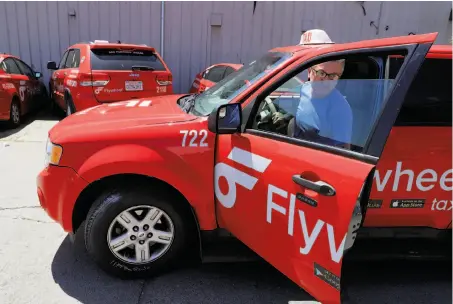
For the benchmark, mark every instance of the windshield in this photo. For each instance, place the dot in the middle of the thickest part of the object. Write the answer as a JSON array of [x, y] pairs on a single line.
[[235, 83]]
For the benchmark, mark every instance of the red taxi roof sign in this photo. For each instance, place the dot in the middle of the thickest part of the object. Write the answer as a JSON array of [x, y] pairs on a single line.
[[315, 36]]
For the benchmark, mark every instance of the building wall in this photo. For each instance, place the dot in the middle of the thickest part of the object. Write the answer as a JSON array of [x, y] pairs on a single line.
[[197, 34]]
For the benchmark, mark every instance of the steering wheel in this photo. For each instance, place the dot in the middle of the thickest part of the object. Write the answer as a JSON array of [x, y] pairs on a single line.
[[270, 105]]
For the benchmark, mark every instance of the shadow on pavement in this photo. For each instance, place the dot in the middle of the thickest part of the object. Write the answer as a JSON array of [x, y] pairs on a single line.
[[42, 115], [411, 282], [248, 282], [251, 282]]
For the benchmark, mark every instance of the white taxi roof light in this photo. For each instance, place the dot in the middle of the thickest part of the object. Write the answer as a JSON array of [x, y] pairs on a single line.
[[101, 41], [315, 36]]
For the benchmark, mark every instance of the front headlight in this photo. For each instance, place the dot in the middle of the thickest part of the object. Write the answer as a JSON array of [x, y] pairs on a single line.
[[53, 154]]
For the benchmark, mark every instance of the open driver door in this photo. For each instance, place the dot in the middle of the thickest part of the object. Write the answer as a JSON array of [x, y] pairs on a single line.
[[297, 203]]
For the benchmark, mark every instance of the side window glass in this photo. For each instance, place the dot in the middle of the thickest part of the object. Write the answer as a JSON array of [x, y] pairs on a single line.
[[63, 60], [216, 74], [336, 107], [12, 67], [429, 99], [3, 67], [73, 60], [69, 59], [26, 70], [228, 71]]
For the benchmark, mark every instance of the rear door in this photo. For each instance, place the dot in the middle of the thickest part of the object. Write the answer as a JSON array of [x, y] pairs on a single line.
[[300, 203], [121, 74], [416, 163], [33, 86]]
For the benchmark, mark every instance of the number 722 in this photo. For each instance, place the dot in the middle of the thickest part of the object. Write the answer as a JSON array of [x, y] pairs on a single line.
[[193, 134]]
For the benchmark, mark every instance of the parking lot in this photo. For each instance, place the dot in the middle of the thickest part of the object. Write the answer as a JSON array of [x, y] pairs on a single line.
[[40, 265]]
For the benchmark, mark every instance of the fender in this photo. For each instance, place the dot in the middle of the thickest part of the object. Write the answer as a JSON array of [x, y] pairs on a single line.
[[138, 159]]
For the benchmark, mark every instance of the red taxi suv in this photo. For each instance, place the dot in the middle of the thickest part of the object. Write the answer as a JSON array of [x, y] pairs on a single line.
[[21, 90], [99, 72], [151, 177]]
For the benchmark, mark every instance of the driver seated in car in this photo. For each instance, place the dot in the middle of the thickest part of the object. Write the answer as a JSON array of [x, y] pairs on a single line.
[[323, 114]]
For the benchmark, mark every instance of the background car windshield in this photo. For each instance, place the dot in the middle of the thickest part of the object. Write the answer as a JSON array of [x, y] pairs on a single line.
[[235, 83]]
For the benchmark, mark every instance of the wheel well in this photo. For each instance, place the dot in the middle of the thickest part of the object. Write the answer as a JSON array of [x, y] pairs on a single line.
[[68, 98], [99, 187], [16, 98]]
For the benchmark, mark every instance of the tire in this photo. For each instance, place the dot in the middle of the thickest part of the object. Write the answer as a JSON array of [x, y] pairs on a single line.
[[53, 107], [44, 98], [14, 114], [99, 225], [69, 106]]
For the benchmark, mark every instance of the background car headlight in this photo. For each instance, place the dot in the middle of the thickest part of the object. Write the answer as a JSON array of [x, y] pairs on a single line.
[[53, 153]]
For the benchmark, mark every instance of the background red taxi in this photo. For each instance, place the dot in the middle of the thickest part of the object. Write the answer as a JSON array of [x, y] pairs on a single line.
[[215, 73], [101, 72], [21, 90]]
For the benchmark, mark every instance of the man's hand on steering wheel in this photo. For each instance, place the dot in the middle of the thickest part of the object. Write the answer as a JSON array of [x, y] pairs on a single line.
[[278, 118]]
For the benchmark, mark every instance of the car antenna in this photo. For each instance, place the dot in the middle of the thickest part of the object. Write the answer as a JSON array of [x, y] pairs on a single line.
[[119, 42]]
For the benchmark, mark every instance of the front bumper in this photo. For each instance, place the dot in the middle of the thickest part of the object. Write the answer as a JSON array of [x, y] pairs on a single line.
[[58, 189]]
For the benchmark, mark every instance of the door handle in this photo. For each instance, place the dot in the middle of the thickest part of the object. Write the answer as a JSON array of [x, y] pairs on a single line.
[[319, 186]]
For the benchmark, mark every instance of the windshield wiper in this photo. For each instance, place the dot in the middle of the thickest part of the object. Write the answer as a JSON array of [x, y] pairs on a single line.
[[142, 68]]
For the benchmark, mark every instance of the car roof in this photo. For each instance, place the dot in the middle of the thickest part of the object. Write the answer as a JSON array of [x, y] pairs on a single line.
[[301, 50], [441, 48], [4, 55], [235, 66]]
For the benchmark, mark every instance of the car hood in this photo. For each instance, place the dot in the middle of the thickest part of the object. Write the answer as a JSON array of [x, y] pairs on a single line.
[[121, 115]]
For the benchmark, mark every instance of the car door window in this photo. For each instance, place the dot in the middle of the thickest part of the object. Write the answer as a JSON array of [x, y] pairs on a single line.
[[228, 71], [73, 60], [26, 70], [63, 60], [12, 67], [3, 67], [328, 109], [216, 73], [69, 59], [429, 99]]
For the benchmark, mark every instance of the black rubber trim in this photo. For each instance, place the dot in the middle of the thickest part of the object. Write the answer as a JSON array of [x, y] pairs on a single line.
[[302, 143], [423, 124]]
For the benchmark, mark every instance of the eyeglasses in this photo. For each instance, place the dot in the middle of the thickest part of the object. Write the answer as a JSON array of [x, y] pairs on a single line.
[[323, 74]]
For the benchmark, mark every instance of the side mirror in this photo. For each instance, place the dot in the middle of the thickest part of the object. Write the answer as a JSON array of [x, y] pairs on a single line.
[[227, 119], [38, 75], [52, 65]]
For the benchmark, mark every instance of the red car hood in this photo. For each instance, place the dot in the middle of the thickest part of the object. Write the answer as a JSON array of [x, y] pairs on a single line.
[[120, 115]]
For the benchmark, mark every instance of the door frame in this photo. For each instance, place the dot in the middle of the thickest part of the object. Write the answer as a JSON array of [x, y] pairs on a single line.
[[414, 58], [375, 146]]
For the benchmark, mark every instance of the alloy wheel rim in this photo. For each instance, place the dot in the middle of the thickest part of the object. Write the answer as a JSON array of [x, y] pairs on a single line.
[[140, 234], [15, 113]]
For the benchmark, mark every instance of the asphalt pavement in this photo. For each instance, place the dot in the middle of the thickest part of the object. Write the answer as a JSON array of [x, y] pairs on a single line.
[[38, 263]]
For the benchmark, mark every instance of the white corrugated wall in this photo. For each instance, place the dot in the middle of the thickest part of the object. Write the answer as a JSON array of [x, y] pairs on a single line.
[[198, 34]]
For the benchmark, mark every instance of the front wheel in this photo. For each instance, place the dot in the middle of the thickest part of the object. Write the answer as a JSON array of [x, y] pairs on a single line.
[[133, 234], [14, 114]]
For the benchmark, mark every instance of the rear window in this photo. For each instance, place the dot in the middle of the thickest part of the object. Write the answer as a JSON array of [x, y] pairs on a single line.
[[117, 59], [429, 100]]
